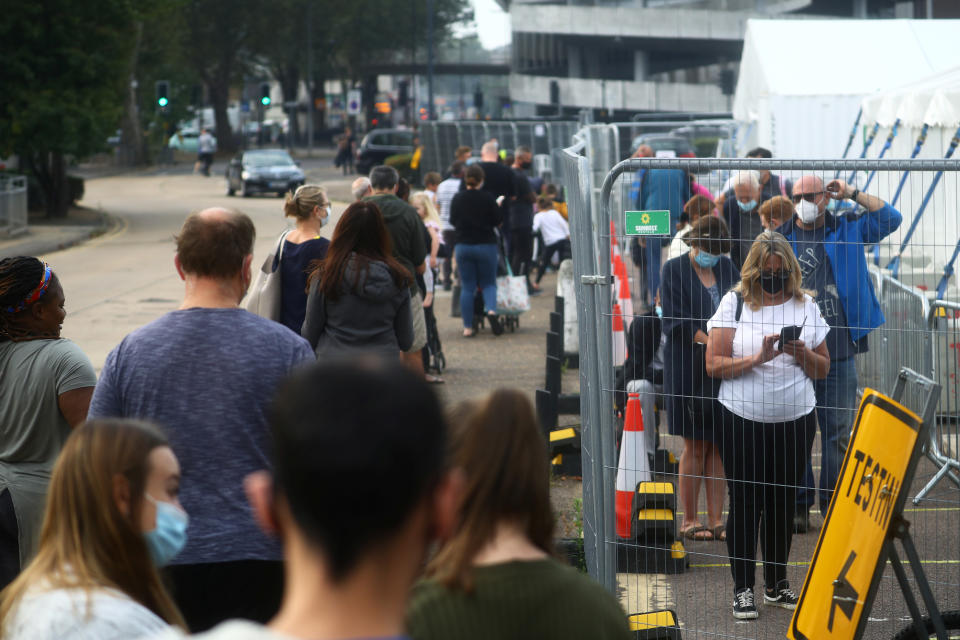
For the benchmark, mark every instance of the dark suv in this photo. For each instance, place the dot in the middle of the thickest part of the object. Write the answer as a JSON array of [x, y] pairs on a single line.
[[379, 144]]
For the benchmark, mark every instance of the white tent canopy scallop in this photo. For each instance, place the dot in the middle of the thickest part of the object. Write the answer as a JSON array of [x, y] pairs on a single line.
[[802, 82], [934, 100]]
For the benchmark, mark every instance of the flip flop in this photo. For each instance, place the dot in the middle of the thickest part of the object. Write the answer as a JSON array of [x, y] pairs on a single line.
[[719, 533], [432, 379], [691, 533]]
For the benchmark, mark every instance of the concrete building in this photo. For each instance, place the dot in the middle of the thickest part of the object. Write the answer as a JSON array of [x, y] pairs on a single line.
[[621, 57]]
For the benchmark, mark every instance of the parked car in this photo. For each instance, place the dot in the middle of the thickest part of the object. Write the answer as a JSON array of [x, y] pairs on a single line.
[[660, 143], [380, 144], [185, 140], [263, 171]]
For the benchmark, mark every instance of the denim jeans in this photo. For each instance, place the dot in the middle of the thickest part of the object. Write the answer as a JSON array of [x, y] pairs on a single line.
[[477, 264], [836, 409]]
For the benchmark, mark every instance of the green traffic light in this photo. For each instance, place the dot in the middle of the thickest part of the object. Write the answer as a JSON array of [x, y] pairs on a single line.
[[163, 102], [265, 100]]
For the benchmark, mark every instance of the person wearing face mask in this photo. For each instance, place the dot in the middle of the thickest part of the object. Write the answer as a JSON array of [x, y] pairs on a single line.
[[742, 214], [113, 517], [770, 183], [207, 373], [45, 387], [693, 285], [766, 410], [830, 250], [311, 209]]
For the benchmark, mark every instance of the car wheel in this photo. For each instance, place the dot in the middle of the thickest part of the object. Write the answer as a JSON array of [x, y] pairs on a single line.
[[245, 190]]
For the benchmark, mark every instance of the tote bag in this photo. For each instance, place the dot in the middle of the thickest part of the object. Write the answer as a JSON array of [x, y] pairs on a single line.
[[512, 295], [264, 299]]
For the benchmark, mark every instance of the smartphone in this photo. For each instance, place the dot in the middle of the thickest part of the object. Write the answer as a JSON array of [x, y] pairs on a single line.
[[787, 334]]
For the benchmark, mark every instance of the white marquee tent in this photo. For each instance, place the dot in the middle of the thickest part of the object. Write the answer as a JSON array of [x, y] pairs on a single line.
[[802, 82]]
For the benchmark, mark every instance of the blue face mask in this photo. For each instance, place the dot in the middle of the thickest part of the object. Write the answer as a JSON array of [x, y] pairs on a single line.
[[747, 206], [170, 534], [706, 260], [659, 311]]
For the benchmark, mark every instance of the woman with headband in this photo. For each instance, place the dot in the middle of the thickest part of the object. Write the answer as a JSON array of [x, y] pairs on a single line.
[[45, 388]]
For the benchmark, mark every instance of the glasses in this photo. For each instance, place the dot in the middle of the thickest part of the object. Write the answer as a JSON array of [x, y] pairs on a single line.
[[809, 197]]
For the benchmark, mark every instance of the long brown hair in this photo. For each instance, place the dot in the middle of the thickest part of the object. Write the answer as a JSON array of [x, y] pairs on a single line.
[[361, 233], [499, 447], [86, 542]]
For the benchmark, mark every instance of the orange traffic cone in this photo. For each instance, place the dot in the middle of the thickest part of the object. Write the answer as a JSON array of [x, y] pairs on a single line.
[[619, 337], [633, 468], [614, 245], [623, 288]]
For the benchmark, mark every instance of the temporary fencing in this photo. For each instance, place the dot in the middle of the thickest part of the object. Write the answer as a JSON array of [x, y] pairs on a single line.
[[13, 205], [653, 567], [441, 138]]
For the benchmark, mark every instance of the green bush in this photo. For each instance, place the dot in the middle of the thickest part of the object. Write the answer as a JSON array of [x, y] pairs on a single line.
[[705, 147]]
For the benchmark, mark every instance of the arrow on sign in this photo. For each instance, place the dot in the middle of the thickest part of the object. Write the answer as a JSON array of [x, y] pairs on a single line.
[[844, 595]]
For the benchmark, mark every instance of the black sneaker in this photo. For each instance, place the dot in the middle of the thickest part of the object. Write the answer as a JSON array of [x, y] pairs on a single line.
[[743, 606], [782, 596], [801, 521], [495, 325]]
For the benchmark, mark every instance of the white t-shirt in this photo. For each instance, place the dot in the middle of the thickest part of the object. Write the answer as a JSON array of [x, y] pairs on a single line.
[[552, 226], [445, 192], [778, 390], [59, 614], [677, 246]]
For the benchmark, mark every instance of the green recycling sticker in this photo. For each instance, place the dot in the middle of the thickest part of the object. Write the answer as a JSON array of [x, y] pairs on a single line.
[[647, 223]]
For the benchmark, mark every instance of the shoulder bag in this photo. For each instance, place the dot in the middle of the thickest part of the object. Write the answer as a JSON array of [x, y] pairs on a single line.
[[705, 389], [264, 298]]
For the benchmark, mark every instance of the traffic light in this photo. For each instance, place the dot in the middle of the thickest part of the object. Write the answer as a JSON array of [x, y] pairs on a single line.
[[163, 92], [265, 94]]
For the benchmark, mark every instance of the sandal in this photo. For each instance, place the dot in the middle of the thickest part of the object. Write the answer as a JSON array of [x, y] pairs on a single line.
[[432, 379], [719, 533], [690, 533], [469, 333]]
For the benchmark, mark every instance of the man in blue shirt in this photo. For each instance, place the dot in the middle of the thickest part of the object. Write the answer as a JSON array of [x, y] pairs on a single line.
[[659, 190], [830, 251]]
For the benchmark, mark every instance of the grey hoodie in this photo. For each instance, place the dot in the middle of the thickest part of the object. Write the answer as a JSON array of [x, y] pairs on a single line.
[[374, 317]]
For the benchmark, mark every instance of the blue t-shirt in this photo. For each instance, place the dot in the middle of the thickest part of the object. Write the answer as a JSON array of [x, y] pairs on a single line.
[[818, 276], [207, 377], [294, 266]]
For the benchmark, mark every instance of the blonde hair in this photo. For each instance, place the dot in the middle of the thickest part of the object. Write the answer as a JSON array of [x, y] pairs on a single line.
[[428, 206], [301, 202], [767, 244], [86, 542]]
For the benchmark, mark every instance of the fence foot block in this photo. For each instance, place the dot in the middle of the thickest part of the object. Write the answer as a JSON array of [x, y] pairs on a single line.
[[655, 625], [651, 557]]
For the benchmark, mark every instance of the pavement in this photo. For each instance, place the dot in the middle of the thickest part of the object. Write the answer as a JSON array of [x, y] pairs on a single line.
[[114, 256]]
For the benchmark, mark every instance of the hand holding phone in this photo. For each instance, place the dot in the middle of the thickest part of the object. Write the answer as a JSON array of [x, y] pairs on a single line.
[[789, 334]]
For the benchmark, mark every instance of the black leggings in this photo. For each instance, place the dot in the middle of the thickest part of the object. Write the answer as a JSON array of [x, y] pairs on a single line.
[[9, 540], [546, 255], [764, 464]]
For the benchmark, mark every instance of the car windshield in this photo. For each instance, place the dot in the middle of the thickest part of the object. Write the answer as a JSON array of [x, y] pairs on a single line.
[[267, 159]]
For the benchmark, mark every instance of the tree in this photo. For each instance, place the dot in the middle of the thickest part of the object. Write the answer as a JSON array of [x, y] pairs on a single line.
[[220, 41], [63, 73]]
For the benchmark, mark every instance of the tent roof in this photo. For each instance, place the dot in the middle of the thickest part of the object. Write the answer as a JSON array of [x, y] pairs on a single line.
[[934, 100], [839, 57]]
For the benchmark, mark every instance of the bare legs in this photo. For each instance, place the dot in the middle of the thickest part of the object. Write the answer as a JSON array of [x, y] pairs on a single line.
[[700, 461]]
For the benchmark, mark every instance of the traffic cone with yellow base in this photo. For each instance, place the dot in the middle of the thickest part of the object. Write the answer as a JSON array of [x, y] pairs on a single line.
[[633, 467]]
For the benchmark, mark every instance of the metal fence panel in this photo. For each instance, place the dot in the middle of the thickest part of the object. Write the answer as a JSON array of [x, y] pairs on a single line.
[[914, 334], [13, 205]]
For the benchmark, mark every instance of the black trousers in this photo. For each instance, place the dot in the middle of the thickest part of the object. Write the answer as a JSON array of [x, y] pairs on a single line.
[[9, 540], [210, 593], [764, 463], [450, 241], [521, 251], [546, 255]]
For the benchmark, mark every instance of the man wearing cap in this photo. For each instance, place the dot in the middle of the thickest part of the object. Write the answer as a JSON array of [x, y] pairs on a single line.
[[830, 251]]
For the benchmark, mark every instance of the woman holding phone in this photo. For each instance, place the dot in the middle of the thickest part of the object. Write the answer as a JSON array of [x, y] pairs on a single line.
[[767, 342]]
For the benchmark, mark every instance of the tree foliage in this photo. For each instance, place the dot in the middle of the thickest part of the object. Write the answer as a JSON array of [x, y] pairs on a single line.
[[63, 75]]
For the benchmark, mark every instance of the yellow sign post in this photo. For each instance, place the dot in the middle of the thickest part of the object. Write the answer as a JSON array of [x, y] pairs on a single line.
[[854, 542]]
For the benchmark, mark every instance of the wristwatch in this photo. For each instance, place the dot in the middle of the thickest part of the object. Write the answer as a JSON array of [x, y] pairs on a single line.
[[856, 192]]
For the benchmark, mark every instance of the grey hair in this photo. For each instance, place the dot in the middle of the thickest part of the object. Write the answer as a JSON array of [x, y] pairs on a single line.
[[750, 178], [360, 187]]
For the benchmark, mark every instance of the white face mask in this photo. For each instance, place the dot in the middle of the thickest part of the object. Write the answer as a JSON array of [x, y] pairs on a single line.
[[807, 212]]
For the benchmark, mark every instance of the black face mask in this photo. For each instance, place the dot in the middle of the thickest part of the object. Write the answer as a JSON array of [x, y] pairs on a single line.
[[773, 283]]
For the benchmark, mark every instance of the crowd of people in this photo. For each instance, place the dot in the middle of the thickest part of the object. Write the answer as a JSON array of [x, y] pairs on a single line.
[[196, 488], [764, 299]]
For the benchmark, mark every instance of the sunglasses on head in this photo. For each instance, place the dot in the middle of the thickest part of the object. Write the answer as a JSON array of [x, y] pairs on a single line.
[[779, 273], [809, 197]]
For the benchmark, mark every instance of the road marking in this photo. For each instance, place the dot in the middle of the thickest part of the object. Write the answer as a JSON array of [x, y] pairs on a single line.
[[721, 565], [643, 592]]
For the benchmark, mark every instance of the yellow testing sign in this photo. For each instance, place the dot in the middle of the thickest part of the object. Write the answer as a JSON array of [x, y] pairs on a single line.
[[850, 554]]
